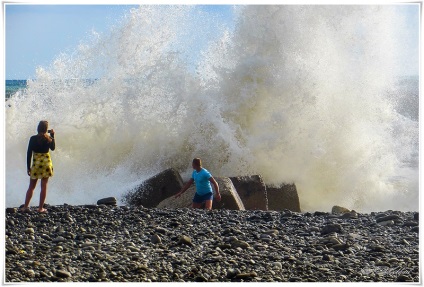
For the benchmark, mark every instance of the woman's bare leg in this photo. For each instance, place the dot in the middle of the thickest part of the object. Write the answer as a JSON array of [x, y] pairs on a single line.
[[30, 192], [208, 204], [197, 205], [43, 194]]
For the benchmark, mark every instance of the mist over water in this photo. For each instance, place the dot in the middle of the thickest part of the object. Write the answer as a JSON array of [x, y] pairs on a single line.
[[303, 94]]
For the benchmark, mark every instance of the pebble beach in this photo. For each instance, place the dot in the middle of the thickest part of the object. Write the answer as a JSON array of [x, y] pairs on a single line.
[[100, 243]]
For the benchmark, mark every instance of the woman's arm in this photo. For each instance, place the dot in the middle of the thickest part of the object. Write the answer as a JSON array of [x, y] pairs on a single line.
[[29, 155], [52, 144], [185, 187], [216, 186]]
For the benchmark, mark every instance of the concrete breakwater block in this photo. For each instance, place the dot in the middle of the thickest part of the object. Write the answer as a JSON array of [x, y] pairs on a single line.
[[229, 197], [155, 189], [283, 197], [252, 191]]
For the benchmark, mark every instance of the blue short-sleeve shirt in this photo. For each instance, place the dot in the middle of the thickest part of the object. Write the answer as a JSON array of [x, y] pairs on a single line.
[[201, 178]]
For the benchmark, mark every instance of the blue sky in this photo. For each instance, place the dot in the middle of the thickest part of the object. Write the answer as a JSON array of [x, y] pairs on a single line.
[[36, 34]]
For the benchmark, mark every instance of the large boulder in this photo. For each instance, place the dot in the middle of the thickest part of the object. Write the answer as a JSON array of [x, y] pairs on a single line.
[[155, 189], [339, 210], [283, 197], [107, 201], [229, 197], [252, 191]]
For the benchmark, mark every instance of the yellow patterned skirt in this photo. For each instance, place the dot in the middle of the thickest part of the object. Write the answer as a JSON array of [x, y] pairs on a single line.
[[42, 166]]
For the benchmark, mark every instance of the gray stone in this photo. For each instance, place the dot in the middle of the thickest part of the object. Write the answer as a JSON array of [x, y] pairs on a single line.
[[404, 278], [252, 191], [107, 201], [155, 239], [352, 215], [59, 239], [329, 228], [246, 275], [283, 197], [11, 210], [328, 257], [155, 189], [63, 274], [387, 218], [339, 210], [410, 223], [29, 230], [231, 273], [386, 223], [416, 216], [240, 243], [185, 240]]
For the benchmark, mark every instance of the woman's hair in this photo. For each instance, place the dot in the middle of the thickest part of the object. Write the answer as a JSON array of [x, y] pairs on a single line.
[[42, 132], [197, 161]]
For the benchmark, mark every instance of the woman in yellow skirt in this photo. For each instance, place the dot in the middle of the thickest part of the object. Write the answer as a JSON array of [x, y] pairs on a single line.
[[42, 167]]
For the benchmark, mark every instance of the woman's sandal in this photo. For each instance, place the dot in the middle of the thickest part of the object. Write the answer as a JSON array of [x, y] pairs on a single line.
[[43, 211]]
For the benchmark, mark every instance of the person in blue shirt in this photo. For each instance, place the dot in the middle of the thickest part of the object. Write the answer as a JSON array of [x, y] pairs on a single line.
[[203, 180]]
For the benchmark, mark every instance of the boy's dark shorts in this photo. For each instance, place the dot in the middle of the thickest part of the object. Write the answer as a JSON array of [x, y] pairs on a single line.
[[202, 198]]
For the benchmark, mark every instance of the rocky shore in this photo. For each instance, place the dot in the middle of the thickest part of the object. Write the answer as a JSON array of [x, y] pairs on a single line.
[[96, 243]]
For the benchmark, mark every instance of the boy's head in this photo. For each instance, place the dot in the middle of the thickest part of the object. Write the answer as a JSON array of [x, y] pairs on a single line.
[[197, 163]]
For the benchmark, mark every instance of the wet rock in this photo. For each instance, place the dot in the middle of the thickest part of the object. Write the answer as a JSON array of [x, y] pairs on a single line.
[[29, 230], [155, 239], [404, 278], [339, 210], [386, 223], [11, 210], [416, 216], [63, 274], [410, 223], [107, 201], [246, 275], [231, 273], [351, 215], [328, 257], [387, 218], [185, 240], [329, 228], [240, 243]]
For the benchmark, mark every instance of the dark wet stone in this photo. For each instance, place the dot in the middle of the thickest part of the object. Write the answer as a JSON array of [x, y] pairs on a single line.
[[107, 201], [155, 239], [329, 228], [387, 218], [416, 216], [185, 240], [63, 274]]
